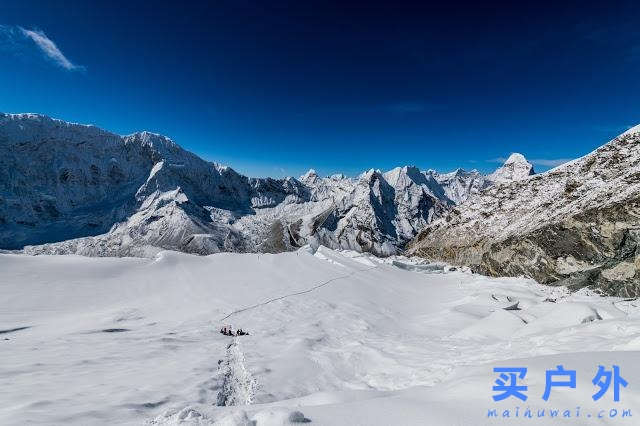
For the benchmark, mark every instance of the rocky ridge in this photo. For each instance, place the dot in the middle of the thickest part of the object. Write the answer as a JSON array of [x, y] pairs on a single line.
[[575, 225]]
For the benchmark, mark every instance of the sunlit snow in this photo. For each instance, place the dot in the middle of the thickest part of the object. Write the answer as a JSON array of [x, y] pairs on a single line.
[[336, 338]]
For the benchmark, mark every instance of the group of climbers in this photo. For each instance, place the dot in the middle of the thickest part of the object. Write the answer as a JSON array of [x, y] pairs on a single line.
[[227, 331]]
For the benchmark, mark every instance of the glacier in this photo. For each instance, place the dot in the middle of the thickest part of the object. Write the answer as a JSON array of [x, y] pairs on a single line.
[[336, 337]]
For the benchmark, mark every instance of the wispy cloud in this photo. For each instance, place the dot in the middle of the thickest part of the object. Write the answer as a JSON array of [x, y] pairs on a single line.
[[20, 41], [543, 162], [550, 162], [497, 160], [49, 48], [280, 171]]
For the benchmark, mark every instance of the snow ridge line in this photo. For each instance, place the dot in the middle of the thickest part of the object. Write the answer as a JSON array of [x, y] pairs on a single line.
[[309, 290]]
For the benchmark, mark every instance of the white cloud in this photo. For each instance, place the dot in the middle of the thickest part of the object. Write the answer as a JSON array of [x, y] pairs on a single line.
[[548, 162], [497, 160], [49, 48], [544, 162]]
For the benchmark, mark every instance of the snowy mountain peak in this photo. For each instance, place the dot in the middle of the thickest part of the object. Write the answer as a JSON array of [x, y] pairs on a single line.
[[394, 176], [515, 168], [516, 157], [154, 141], [370, 174], [310, 173], [310, 177]]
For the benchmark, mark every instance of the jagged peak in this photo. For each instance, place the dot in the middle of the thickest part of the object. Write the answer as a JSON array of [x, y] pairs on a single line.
[[458, 172], [367, 175], [394, 176]]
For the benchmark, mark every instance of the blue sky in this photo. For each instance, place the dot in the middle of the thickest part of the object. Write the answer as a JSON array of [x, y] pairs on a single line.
[[275, 88]]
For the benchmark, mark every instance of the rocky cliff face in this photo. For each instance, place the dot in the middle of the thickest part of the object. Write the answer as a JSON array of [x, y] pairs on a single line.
[[576, 225]]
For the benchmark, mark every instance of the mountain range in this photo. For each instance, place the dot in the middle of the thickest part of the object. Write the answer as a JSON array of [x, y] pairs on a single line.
[[71, 188], [75, 189]]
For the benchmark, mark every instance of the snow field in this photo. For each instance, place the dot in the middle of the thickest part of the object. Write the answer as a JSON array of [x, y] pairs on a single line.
[[336, 338]]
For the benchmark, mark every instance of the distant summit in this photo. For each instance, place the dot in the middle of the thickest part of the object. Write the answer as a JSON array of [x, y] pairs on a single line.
[[515, 168], [309, 177]]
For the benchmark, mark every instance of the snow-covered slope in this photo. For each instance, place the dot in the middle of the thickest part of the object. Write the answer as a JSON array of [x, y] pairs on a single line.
[[336, 338], [577, 224]]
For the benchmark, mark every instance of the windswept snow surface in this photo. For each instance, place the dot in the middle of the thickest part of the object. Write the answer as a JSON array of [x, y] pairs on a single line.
[[337, 338]]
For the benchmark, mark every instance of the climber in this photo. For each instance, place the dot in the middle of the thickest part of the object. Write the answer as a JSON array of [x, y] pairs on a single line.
[[226, 331]]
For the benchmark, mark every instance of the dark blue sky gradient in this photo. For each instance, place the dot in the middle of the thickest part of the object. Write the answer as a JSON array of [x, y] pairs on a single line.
[[273, 88]]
